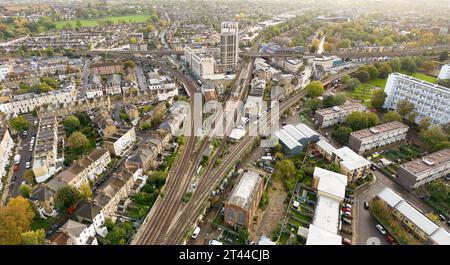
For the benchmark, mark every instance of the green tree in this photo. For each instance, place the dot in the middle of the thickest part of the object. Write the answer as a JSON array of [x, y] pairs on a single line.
[[71, 124], [66, 197], [353, 83], [395, 64], [373, 72], [129, 64], [33, 237], [362, 76], [85, 191], [344, 43], [408, 64], [404, 107], [435, 138], [443, 56], [372, 119], [25, 190], [424, 124], [357, 120], [341, 134], [285, 170], [429, 66], [19, 123], [314, 89], [78, 141], [384, 70], [392, 116], [377, 99], [313, 104]]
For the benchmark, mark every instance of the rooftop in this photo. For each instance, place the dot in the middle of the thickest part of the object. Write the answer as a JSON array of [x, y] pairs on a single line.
[[350, 159], [331, 182], [348, 106], [382, 128], [326, 214], [243, 193], [428, 162], [319, 236]]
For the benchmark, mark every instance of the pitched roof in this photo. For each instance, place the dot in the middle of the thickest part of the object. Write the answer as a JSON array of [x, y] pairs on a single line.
[[87, 210]]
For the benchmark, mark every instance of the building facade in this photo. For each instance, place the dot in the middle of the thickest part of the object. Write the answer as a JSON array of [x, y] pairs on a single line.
[[420, 171], [378, 136], [430, 100], [336, 115], [121, 141], [444, 73], [229, 45]]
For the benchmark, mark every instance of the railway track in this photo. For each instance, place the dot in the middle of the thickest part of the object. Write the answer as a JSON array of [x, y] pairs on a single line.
[[213, 178]]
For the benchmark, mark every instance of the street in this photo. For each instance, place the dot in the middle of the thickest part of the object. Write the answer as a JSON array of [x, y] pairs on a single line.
[[26, 156], [365, 222]]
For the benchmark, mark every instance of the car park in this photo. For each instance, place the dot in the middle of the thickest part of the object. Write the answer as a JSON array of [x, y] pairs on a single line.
[[381, 229]]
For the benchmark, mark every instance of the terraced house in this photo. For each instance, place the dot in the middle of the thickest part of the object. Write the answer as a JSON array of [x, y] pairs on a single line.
[[336, 115], [420, 171], [378, 136]]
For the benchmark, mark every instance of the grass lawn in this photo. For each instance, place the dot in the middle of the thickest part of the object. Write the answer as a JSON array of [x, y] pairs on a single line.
[[301, 216], [378, 82], [421, 76], [96, 21], [364, 92]]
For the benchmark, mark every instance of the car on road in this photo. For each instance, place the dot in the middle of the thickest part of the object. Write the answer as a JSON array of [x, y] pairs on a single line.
[[28, 165], [366, 205], [373, 167], [196, 232], [214, 242], [52, 229], [16, 167], [391, 240], [346, 241], [381, 229]]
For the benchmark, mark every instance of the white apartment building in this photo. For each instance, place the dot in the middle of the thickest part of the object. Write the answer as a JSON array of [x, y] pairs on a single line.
[[161, 86], [203, 65], [430, 100], [28, 102], [190, 50], [121, 141], [6, 146], [377, 136], [229, 45], [336, 115], [443, 74], [292, 65]]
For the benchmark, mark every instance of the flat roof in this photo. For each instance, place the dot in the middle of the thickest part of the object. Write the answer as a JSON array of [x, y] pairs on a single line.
[[428, 162], [326, 215], [389, 196], [244, 192], [331, 182], [417, 218], [441, 237], [319, 236], [326, 146], [350, 159], [348, 106], [382, 128]]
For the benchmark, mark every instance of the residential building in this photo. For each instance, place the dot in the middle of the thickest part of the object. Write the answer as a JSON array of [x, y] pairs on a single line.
[[48, 150], [350, 163], [336, 115], [423, 170], [105, 124], [116, 188], [121, 141], [92, 215], [74, 233], [229, 45], [5, 69], [202, 65], [292, 65], [163, 87], [444, 73], [329, 183], [378, 136], [6, 148], [430, 100], [43, 199], [85, 169], [107, 68], [243, 201], [147, 156], [412, 219]]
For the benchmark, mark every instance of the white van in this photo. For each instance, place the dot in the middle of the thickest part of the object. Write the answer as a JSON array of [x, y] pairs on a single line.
[[215, 242], [196, 232]]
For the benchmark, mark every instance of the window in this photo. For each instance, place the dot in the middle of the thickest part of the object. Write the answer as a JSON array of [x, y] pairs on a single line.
[[241, 218], [230, 214]]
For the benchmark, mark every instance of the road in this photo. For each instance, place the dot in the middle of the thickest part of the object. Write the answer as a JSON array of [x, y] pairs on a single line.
[[365, 228], [25, 154], [84, 79], [140, 76]]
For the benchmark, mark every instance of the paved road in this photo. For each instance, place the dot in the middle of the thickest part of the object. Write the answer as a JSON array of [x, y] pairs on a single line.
[[25, 154], [84, 79], [140, 76], [366, 223]]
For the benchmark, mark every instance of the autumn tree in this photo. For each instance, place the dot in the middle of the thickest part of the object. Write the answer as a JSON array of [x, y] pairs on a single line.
[[66, 197], [15, 219], [404, 107], [78, 140], [314, 89], [424, 124], [33, 237], [86, 191], [19, 123], [435, 138]]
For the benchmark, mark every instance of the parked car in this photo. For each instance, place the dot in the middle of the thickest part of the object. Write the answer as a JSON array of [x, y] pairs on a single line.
[[347, 210], [196, 232], [16, 167], [347, 221], [28, 165], [381, 229], [442, 217], [214, 242], [348, 215], [373, 167], [346, 241], [346, 205], [366, 205], [52, 229], [24, 133], [391, 240]]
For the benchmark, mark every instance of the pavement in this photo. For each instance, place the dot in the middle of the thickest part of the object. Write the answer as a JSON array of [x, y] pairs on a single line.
[[366, 229]]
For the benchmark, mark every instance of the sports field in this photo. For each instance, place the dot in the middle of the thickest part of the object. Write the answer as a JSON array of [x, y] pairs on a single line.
[[97, 21]]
